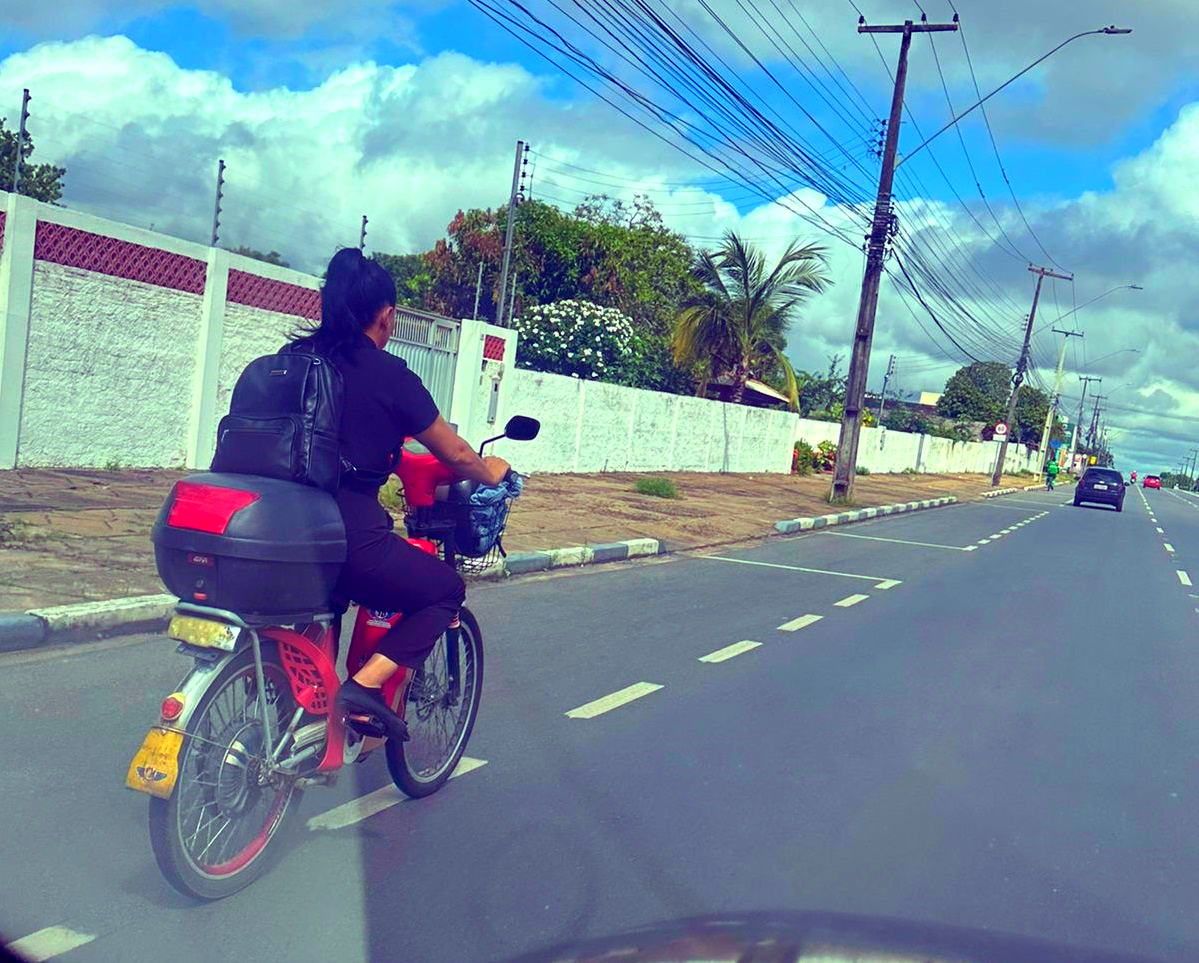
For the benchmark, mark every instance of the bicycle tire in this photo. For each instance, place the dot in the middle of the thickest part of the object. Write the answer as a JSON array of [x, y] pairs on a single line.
[[403, 759], [179, 866]]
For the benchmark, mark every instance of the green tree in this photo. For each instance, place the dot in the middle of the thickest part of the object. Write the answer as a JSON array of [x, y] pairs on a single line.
[[42, 182], [741, 318], [272, 257], [977, 392], [1032, 407], [411, 275]]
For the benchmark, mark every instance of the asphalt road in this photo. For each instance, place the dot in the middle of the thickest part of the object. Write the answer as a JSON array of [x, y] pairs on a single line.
[[991, 725]]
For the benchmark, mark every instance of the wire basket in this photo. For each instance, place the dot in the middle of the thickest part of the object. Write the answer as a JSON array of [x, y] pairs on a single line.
[[475, 567]]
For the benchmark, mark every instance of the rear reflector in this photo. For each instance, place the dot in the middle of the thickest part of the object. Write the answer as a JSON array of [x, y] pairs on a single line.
[[207, 508]]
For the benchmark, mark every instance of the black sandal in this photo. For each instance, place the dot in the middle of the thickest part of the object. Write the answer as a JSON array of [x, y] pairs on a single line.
[[353, 698]]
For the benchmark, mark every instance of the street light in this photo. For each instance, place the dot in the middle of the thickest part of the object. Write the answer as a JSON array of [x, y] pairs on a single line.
[[1113, 354], [1086, 33], [1118, 287]]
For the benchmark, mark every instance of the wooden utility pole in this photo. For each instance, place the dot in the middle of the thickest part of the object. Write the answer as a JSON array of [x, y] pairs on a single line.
[[1086, 380], [512, 202], [1057, 390], [1022, 366], [859, 359]]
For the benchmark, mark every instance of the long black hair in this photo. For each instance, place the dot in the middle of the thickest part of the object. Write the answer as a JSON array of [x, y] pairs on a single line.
[[356, 287]]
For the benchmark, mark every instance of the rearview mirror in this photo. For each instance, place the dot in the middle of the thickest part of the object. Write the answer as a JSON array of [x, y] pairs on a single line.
[[520, 428]]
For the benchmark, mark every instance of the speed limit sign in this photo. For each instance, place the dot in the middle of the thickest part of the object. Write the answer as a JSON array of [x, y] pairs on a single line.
[[1000, 432]]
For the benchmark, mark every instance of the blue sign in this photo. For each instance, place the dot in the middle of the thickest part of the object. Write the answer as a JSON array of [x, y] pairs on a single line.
[[1056, 444]]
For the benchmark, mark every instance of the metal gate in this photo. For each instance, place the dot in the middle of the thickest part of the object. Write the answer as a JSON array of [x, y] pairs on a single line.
[[429, 343]]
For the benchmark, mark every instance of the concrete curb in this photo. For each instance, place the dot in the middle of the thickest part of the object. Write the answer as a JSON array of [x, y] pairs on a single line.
[[793, 525], [523, 563]]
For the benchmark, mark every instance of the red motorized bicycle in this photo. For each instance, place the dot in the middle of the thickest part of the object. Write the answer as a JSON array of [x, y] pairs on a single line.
[[254, 562]]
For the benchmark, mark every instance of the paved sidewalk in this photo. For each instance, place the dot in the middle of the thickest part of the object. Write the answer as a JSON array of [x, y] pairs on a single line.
[[77, 535]]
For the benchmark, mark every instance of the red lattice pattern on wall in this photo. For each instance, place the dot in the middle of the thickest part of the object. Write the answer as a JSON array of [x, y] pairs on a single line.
[[2, 216], [493, 348], [72, 247], [270, 295]]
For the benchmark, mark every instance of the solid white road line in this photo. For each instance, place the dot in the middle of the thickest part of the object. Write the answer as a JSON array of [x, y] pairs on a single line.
[[598, 707], [1183, 577], [48, 943], [897, 541], [1168, 547], [356, 810], [888, 583], [850, 600], [729, 651], [793, 568], [802, 622]]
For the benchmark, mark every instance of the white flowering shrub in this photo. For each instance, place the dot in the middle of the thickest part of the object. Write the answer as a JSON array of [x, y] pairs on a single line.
[[575, 338]]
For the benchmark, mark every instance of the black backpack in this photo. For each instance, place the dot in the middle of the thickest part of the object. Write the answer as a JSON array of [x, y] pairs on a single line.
[[284, 420]]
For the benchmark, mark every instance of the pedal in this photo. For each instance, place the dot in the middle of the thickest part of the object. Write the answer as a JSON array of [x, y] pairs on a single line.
[[370, 727]]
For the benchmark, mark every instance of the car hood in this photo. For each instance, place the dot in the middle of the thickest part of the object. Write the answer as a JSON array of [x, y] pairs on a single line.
[[825, 937]]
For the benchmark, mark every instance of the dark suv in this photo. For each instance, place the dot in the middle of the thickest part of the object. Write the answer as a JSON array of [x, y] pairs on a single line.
[[1102, 485]]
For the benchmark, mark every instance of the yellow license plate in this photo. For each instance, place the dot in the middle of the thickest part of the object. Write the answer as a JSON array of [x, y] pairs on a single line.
[[203, 632], [155, 766]]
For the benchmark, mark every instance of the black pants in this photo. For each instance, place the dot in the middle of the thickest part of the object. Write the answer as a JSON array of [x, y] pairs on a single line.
[[383, 571]]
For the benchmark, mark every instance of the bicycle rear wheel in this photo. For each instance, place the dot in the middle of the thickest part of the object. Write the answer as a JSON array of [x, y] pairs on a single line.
[[441, 710]]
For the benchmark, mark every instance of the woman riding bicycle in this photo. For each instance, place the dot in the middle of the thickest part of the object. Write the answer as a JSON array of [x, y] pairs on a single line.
[[385, 402]]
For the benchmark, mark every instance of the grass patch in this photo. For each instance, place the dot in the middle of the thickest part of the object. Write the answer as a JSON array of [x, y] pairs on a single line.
[[658, 487], [862, 470], [113, 464]]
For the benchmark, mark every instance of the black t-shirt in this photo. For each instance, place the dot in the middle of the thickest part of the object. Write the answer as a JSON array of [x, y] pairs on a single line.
[[385, 402]]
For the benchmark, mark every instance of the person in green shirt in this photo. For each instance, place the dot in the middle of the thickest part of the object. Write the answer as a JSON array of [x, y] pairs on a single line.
[[1051, 471]]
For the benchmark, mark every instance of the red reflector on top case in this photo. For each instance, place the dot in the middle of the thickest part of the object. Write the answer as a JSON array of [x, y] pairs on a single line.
[[207, 508]]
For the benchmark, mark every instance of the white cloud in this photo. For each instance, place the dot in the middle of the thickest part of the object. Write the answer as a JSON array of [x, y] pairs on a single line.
[[409, 146]]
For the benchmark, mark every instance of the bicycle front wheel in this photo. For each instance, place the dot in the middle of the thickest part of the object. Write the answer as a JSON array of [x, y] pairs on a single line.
[[442, 704]]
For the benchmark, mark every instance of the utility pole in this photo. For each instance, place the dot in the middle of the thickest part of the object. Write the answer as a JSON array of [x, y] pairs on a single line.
[[1093, 433], [216, 209], [513, 200], [362, 235], [882, 404], [1191, 475], [1057, 391], [1086, 380], [16, 166], [478, 290], [880, 229], [1022, 365]]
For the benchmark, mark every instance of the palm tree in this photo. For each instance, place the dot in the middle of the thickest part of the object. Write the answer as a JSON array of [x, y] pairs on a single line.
[[741, 318]]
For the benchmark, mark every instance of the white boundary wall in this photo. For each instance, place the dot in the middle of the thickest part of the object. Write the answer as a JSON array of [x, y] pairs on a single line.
[[121, 345], [588, 426]]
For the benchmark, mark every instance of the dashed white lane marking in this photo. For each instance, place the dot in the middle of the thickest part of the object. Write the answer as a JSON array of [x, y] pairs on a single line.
[[850, 600], [802, 622], [1160, 532], [356, 810], [984, 541], [1168, 547], [729, 651], [888, 583], [794, 568], [48, 943], [638, 690], [897, 541], [1183, 577], [970, 548], [996, 535], [1005, 531]]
